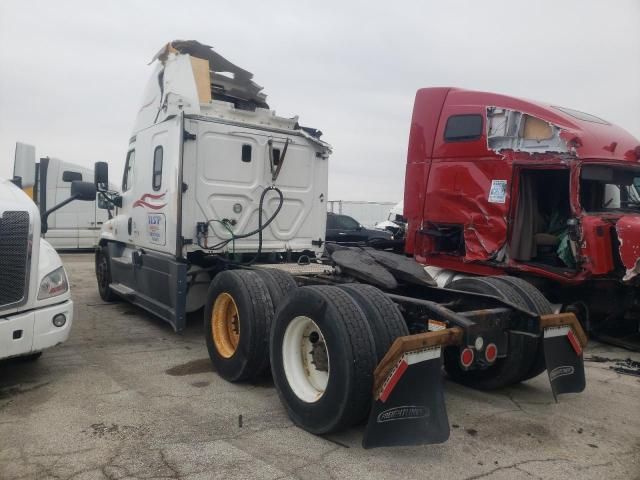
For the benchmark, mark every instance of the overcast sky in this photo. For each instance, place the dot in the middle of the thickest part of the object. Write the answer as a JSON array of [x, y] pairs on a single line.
[[72, 73]]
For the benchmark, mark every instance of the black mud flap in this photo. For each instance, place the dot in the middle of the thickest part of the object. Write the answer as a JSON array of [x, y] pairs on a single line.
[[409, 409], [563, 356]]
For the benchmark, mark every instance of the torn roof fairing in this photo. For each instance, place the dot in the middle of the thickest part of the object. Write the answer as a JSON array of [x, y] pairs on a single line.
[[189, 78], [591, 136], [206, 52], [518, 131], [238, 86]]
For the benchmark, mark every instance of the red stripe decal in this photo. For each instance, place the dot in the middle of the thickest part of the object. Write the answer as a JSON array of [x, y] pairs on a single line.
[[573, 340], [395, 378], [140, 203], [153, 197]]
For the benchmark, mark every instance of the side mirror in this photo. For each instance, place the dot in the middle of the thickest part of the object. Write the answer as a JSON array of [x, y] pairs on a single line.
[[83, 190], [79, 191], [24, 164], [69, 176], [101, 175]]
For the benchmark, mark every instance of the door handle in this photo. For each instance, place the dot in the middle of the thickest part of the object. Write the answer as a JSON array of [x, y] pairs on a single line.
[[129, 225]]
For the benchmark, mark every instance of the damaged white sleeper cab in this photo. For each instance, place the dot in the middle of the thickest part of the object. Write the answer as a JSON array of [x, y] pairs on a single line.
[[221, 199], [212, 176]]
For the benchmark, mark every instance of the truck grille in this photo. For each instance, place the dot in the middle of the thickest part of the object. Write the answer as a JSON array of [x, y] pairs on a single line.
[[14, 251]]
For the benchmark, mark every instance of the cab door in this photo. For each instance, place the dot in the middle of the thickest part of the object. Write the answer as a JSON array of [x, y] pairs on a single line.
[[123, 221], [148, 215], [153, 211]]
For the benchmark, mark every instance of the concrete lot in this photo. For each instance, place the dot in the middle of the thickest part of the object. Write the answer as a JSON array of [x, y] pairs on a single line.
[[125, 397]]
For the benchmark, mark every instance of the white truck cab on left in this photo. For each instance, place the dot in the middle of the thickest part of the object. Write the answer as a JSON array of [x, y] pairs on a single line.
[[36, 311]]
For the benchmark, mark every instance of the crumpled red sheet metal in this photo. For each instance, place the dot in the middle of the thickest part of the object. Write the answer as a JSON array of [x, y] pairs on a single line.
[[628, 229]]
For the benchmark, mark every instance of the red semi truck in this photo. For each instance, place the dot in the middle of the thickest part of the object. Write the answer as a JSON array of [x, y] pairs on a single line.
[[497, 185]]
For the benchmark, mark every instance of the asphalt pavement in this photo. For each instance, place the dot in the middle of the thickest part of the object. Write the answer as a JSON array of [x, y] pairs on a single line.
[[128, 398]]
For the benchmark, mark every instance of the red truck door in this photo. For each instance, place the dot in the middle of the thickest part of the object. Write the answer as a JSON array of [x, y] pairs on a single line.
[[467, 194]]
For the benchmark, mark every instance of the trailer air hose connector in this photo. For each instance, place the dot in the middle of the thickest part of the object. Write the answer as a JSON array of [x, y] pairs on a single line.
[[261, 226]]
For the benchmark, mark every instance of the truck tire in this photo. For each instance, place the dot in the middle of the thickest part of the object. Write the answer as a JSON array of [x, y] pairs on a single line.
[[505, 371], [384, 318], [237, 319], [537, 303], [322, 359], [103, 275], [278, 283]]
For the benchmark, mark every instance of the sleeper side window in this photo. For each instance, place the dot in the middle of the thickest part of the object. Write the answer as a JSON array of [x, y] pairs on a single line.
[[462, 128], [276, 156], [156, 178], [246, 153], [127, 179]]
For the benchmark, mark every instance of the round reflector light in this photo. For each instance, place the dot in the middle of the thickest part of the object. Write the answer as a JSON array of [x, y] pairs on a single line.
[[466, 357], [491, 353]]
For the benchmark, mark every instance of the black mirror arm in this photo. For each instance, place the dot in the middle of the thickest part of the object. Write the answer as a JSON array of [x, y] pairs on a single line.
[[44, 216], [112, 197]]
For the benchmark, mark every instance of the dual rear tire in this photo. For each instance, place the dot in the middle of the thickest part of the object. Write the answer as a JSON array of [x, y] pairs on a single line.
[[525, 358], [336, 335], [323, 344], [322, 359], [237, 319]]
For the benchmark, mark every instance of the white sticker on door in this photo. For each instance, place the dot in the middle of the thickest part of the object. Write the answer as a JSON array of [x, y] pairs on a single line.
[[498, 192], [156, 228]]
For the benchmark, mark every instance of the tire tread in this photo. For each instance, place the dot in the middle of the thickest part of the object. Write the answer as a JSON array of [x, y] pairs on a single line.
[[388, 324], [362, 350]]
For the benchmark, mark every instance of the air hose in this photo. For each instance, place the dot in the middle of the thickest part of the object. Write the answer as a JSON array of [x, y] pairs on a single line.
[[259, 230]]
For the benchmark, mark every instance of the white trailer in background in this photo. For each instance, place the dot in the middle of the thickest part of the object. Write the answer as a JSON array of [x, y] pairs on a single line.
[[48, 182], [367, 213]]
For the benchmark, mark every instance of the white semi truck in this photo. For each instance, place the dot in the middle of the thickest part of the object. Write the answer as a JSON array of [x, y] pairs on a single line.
[[48, 182], [36, 310], [223, 206]]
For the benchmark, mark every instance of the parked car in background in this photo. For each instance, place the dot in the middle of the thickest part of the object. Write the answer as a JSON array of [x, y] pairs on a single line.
[[344, 229], [367, 213]]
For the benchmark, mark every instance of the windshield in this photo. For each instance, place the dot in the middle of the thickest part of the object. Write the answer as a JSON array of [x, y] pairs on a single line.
[[341, 222], [605, 188]]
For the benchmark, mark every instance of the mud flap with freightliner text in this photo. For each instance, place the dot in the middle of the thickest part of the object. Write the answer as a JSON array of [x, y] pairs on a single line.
[[408, 405], [563, 343]]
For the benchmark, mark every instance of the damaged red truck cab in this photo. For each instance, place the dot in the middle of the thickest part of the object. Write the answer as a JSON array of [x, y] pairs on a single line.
[[496, 185]]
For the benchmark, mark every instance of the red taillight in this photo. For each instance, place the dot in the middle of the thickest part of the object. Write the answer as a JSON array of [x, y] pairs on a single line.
[[491, 353], [466, 357]]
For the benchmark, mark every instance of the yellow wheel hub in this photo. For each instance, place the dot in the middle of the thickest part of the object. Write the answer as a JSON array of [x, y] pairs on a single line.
[[225, 325]]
